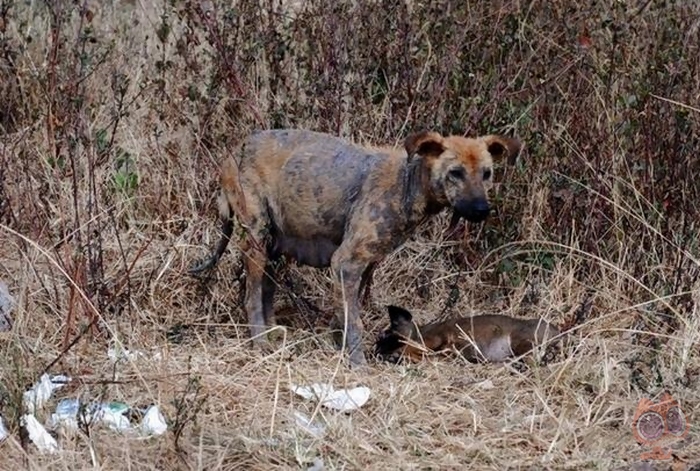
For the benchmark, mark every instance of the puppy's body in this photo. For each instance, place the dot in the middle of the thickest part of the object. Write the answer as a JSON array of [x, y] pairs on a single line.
[[490, 338], [323, 201]]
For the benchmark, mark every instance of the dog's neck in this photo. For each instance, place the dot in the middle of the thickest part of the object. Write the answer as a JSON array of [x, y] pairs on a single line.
[[418, 200]]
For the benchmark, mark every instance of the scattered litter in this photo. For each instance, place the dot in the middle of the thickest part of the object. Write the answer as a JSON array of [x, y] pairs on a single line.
[[112, 414], [486, 384], [68, 411], [34, 399], [317, 465], [41, 391], [38, 434], [153, 423], [118, 353], [6, 305], [3, 431], [313, 428], [341, 399]]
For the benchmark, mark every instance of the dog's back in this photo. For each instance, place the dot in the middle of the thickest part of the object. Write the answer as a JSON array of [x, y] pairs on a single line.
[[307, 166]]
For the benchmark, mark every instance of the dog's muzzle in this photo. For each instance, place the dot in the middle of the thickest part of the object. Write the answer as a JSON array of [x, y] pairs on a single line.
[[474, 210]]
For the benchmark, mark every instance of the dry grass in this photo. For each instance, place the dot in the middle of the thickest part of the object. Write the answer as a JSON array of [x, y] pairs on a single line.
[[113, 119]]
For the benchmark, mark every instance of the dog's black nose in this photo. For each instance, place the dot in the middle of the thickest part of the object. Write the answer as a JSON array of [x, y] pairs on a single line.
[[475, 210]]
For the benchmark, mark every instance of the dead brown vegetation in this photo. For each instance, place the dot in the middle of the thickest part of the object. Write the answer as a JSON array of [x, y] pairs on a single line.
[[115, 116]]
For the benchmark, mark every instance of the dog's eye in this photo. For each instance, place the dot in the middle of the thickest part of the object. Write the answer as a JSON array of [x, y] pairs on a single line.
[[457, 173], [487, 174]]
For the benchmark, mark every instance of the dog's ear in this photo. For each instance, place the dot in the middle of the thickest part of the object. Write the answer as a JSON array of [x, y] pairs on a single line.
[[425, 144], [502, 147]]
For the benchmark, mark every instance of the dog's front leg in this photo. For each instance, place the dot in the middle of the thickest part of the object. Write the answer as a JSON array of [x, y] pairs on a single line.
[[269, 286], [348, 275]]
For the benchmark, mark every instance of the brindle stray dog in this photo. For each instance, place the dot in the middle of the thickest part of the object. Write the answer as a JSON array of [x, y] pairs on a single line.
[[491, 338], [324, 201]]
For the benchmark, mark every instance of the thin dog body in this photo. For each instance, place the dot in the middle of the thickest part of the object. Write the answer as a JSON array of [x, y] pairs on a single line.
[[326, 202]]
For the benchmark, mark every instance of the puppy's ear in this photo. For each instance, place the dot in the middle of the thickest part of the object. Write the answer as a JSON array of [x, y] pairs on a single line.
[[401, 321], [399, 317], [390, 343], [424, 144], [502, 147]]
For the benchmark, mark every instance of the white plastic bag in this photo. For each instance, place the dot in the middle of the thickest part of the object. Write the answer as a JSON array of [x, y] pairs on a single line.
[[340, 399], [35, 398], [38, 434], [3, 431]]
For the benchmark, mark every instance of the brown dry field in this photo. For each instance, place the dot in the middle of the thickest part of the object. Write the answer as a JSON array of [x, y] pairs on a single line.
[[114, 117]]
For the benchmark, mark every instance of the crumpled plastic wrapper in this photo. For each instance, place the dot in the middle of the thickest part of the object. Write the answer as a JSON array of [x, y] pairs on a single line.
[[339, 399], [38, 434], [3, 431], [35, 398], [113, 414]]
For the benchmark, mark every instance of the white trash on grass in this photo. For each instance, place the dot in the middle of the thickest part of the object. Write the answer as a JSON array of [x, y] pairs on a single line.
[[38, 434], [6, 304], [153, 423], [3, 431], [112, 414], [117, 353], [39, 393], [34, 399], [305, 423], [339, 399]]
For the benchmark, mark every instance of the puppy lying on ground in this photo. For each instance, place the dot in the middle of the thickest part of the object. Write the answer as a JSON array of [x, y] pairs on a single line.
[[488, 338]]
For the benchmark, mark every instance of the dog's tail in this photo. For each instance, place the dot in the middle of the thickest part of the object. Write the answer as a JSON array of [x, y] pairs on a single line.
[[225, 209], [226, 215]]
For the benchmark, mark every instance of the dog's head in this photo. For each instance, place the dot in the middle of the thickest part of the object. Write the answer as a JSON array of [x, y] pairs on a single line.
[[391, 344], [460, 169]]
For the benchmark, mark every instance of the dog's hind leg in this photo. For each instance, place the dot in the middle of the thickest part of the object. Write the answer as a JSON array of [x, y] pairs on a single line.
[[255, 260]]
